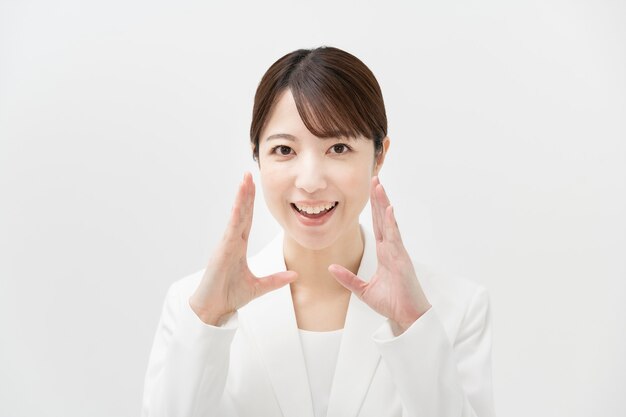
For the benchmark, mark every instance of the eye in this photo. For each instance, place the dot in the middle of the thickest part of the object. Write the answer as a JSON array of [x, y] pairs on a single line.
[[283, 150], [340, 148]]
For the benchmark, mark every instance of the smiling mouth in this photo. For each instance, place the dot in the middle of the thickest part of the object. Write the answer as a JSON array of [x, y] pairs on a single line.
[[314, 216]]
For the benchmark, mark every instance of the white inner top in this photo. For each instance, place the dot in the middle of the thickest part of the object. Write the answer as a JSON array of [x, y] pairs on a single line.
[[320, 356]]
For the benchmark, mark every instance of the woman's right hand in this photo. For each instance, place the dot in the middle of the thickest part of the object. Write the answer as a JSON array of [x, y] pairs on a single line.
[[227, 283]]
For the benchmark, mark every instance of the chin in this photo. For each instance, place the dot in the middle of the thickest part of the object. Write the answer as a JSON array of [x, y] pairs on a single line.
[[312, 238], [317, 240]]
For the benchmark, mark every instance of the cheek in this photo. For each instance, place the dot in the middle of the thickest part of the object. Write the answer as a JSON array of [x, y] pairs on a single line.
[[273, 183], [358, 186]]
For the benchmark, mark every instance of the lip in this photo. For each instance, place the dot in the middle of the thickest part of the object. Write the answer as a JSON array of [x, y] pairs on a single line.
[[313, 222], [313, 202]]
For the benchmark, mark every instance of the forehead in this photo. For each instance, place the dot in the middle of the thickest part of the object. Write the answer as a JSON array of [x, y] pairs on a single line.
[[285, 122], [284, 119]]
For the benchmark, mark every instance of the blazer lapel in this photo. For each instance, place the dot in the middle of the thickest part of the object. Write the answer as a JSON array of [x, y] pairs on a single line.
[[272, 320], [358, 355]]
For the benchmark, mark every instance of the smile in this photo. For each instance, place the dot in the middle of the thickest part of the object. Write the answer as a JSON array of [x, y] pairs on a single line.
[[314, 216], [314, 209]]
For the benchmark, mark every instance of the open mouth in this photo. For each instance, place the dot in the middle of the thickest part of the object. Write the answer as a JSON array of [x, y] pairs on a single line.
[[314, 215]]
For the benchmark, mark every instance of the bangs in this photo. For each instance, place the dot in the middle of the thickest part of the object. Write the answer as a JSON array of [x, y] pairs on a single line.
[[329, 108]]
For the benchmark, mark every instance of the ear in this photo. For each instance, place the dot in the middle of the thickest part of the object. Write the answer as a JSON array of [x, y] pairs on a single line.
[[380, 159]]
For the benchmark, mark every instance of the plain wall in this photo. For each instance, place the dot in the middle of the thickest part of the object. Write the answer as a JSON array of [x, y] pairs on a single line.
[[124, 133]]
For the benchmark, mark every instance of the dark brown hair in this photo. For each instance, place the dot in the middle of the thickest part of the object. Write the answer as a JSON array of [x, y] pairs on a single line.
[[335, 93]]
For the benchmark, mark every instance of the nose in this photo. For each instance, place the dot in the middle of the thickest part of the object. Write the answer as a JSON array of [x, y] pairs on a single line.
[[310, 175]]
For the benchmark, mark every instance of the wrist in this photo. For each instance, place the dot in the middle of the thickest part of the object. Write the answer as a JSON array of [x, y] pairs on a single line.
[[213, 317], [400, 326]]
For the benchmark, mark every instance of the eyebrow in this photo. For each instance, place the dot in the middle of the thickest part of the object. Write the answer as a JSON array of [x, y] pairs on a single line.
[[293, 138], [281, 136]]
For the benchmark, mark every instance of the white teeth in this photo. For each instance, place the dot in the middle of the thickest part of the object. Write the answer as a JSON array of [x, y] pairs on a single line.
[[315, 209]]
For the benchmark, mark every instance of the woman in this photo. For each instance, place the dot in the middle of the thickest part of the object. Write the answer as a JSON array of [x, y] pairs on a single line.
[[360, 330]]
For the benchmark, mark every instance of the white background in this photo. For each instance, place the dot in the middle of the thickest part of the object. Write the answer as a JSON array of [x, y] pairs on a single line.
[[124, 133]]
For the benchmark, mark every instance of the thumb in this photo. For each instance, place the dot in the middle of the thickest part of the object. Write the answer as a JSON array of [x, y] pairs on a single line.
[[275, 281], [346, 278]]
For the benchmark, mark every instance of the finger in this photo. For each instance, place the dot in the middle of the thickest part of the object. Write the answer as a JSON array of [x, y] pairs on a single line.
[[249, 205], [274, 281], [380, 208], [382, 200], [348, 279], [384, 205], [234, 227], [378, 231], [383, 196], [392, 232]]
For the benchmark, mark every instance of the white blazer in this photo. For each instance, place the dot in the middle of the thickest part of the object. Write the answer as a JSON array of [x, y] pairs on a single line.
[[253, 365]]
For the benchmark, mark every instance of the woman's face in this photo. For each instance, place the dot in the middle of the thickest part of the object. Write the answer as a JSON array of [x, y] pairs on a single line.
[[300, 170]]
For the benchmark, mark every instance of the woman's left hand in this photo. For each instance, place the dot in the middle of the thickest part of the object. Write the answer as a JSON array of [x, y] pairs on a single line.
[[394, 290]]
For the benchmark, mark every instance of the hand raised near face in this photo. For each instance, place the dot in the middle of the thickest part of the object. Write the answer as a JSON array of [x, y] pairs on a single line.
[[394, 290], [227, 283]]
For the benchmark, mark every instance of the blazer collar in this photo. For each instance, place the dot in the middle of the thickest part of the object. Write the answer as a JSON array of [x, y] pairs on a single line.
[[272, 321]]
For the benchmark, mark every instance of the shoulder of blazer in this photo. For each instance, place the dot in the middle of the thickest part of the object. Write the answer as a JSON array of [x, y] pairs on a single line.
[[260, 264], [451, 295], [182, 288]]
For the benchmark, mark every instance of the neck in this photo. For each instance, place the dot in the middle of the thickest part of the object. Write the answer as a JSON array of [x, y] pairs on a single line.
[[312, 265]]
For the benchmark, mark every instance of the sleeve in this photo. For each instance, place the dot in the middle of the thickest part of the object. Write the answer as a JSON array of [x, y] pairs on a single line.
[[188, 363], [435, 377]]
